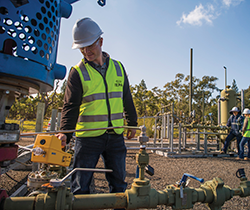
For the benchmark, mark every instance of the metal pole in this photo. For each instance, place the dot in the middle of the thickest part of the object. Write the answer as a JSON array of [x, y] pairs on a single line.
[[219, 112], [39, 117], [191, 80], [58, 125], [205, 144], [184, 138], [225, 76], [172, 129], [242, 100], [203, 105], [180, 138], [168, 126], [155, 131], [53, 120], [164, 126], [197, 140]]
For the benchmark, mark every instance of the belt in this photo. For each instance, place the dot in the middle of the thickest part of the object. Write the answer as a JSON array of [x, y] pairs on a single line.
[[111, 131]]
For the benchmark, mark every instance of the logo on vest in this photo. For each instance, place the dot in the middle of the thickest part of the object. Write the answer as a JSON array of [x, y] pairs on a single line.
[[118, 83]]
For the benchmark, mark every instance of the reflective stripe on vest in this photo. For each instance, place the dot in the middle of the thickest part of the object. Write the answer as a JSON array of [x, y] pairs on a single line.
[[247, 132], [94, 107], [99, 96], [99, 118]]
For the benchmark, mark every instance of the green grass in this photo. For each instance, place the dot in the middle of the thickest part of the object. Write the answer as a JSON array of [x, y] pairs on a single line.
[[27, 125]]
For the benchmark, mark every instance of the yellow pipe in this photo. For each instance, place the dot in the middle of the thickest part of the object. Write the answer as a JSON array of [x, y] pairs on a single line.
[[99, 201], [212, 192]]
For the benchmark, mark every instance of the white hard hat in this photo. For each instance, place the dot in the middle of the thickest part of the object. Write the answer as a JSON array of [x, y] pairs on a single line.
[[85, 33], [234, 109], [246, 111]]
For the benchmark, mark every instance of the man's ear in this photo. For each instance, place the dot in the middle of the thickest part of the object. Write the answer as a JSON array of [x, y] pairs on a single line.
[[101, 41]]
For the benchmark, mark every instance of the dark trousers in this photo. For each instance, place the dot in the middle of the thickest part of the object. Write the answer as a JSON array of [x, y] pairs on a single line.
[[87, 153], [229, 138], [244, 140]]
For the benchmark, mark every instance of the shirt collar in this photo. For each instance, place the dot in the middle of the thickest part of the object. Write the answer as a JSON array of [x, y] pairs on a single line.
[[104, 54]]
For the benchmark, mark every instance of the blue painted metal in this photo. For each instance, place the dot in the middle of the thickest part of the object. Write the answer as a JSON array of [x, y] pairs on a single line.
[[29, 32], [101, 2], [185, 176]]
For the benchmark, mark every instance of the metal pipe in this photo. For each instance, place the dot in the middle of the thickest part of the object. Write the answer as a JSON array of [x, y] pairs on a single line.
[[164, 126], [168, 126], [203, 105], [219, 112], [155, 131], [242, 100], [172, 129], [53, 120], [149, 148], [80, 130], [212, 192], [225, 76], [179, 138], [184, 138], [205, 144], [100, 201], [191, 81], [58, 182]]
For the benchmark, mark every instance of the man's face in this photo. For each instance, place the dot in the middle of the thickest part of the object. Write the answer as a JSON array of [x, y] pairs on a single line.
[[93, 52], [235, 113]]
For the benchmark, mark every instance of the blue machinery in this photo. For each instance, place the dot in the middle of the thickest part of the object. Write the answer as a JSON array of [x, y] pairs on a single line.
[[29, 31]]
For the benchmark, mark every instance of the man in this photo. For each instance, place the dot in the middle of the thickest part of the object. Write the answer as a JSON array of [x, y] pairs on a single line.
[[235, 121], [246, 136], [96, 95]]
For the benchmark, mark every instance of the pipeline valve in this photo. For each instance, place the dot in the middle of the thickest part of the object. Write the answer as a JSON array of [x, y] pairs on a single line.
[[149, 170], [240, 173], [184, 182], [47, 149]]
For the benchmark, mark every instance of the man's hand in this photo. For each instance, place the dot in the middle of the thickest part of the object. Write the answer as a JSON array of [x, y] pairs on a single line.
[[131, 133], [62, 137]]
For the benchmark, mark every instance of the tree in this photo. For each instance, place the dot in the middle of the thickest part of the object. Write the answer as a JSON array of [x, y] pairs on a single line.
[[234, 86], [139, 94], [26, 107], [247, 97], [178, 91]]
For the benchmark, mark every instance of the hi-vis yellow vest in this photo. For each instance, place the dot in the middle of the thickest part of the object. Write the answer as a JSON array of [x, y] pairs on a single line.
[[101, 100], [247, 132]]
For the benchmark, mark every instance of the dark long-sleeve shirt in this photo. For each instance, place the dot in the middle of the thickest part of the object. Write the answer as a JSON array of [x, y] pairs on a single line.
[[235, 122], [73, 100]]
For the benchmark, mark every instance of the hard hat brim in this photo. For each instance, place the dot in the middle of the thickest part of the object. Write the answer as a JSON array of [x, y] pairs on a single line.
[[231, 112], [85, 44]]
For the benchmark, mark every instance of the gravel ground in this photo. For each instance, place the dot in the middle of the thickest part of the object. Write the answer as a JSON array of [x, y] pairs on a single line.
[[167, 171]]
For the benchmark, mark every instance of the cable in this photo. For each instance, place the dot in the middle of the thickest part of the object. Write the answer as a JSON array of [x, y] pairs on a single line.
[[11, 177]]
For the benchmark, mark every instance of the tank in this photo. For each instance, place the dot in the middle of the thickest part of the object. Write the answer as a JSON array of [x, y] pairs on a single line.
[[230, 97]]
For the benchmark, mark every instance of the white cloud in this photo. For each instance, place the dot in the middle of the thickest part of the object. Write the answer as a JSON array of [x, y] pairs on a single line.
[[206, 14], [228, 3], [199, 15]]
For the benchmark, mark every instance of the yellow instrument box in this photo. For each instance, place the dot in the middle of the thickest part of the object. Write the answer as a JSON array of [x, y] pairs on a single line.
[[47, 149]]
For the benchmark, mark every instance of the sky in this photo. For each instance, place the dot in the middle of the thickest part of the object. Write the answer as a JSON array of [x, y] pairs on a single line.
[[153, 38]]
